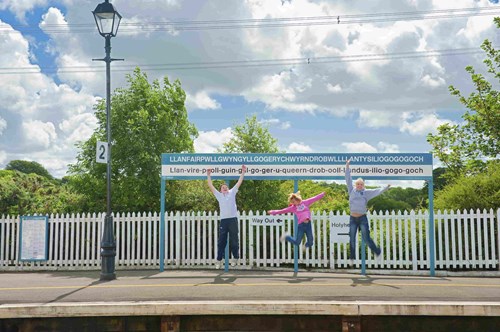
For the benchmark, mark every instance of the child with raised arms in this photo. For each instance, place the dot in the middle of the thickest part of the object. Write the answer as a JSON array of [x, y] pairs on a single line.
[[300, 208]]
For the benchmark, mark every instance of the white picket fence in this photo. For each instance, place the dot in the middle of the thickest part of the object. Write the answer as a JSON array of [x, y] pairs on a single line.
[[463, 241]]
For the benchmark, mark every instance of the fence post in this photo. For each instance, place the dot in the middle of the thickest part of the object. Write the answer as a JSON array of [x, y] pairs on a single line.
[[413, 230], [431, 226], [162, 226], [498, 237]]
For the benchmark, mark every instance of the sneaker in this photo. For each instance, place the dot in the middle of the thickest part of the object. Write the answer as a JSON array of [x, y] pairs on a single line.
[[351, 262], [283, 236], [217, 265], [378, 258], [303, 247], [234, 262]]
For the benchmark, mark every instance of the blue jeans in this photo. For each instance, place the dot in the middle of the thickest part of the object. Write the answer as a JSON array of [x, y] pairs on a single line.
[[306, 228], [361, 223], [228, 225]]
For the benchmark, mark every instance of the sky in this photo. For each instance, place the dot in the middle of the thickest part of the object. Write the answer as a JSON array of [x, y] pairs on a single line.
[[337, 76]]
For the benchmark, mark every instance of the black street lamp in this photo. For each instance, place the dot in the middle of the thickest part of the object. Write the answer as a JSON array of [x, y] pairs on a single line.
[[107, 20]]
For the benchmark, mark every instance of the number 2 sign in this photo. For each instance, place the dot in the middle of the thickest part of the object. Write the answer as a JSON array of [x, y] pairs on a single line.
[[101, 152]]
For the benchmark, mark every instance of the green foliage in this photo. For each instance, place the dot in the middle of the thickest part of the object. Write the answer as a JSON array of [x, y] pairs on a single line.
[[439, 180], [384, 203], [28, 167], [464, 147], [25, 194], [191, 195], [478, 191], [334, 199], [147, 119], [253, 137], [399, 199]]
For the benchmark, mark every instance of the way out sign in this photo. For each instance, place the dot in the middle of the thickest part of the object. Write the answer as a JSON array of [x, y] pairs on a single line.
[[267, 221], [339, 229]]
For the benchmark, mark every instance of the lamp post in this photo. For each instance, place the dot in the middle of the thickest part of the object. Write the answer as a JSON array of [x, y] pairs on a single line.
[[107, 20]]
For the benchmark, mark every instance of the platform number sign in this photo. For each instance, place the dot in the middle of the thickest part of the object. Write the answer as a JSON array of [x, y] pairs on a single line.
[[101, 155]]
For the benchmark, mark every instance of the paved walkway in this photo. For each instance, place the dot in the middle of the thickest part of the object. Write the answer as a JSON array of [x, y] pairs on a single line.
[[210, 292]]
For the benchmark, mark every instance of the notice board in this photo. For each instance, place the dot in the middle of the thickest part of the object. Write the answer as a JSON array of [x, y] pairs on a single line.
[[34, 236]]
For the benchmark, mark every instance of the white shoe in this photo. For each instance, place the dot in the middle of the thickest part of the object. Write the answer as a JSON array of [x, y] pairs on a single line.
[[303, 247], [351, 262], [217, 265], [234, 262], [378, 258], [283, 236]]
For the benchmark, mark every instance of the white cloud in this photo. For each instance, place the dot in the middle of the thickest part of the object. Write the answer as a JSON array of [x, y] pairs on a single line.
[[433, 82], [334, 88], [201, 100], [379, 119], [359, 147], [20, 7], [277, 123], [406, 94], [299, 147], [475, 28], [421, 124], [384, 147], [413, 123], [39, 134], [78, 127], [210, 141], [278, 93], [3, 157], [69, 53], [39, 111], [364, 147], [3, 125]]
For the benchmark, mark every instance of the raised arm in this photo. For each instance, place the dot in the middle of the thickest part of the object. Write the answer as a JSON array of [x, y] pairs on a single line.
[[348, 179], [311, 200], [291, 208], [209, 180], [240, 180], [371, 193]]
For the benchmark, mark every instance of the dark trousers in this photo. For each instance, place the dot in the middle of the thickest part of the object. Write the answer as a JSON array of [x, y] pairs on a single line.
[[362, 224], [228, 225], [303, 228]]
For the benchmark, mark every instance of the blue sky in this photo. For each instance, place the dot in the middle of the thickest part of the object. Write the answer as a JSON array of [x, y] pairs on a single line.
[[376, 80]]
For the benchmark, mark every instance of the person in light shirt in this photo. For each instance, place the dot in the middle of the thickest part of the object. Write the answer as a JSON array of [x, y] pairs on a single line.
[[228, 218], [358, 201], [301, 209]]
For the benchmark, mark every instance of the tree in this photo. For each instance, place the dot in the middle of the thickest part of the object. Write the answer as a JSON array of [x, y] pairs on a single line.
[[28, 167], [439, 180], [22, 194], [146, 121], [253, 137], [399, 199], [479, 191], [191, 195], [464, 147]]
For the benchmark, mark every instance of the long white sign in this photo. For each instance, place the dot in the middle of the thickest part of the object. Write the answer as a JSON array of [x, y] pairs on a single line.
[[297, 166]]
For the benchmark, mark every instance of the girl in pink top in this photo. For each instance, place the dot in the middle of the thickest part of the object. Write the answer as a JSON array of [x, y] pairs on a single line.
[[301, 209]]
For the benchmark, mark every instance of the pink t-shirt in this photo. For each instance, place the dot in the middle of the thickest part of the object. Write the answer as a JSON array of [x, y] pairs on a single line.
[[302, 210]]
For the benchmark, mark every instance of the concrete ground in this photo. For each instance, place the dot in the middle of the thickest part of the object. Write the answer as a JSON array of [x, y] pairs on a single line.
[[176, 292]]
